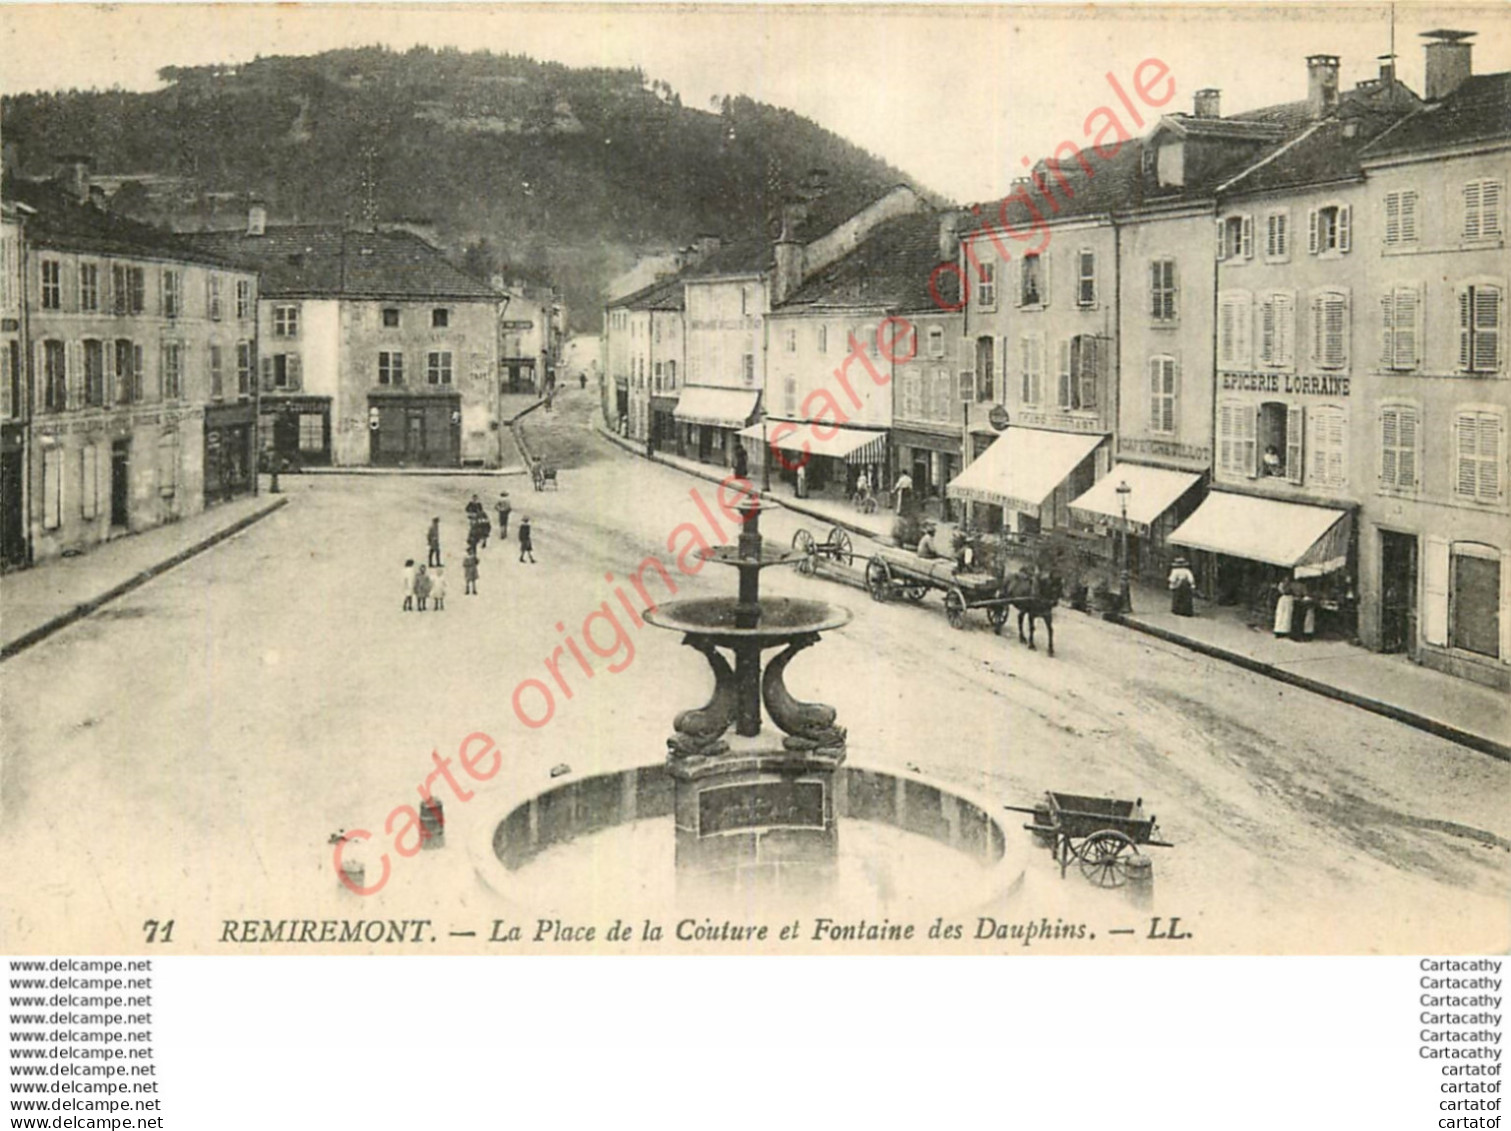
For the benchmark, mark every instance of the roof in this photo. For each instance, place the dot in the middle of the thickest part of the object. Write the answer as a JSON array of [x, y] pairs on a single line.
[[1114, 184], [1479, 110], [329, 260], [58, 220], [891, 269], [1323, 153], [665, 294]]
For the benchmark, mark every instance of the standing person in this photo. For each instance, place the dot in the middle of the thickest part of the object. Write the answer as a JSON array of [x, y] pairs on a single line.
[[526, 546], [550, 396], [1182, 588], [475, 510], [504, 506], [1285, 609], [438, 588], [582, 380], [484, 529], [433, 539], [408, 579], [1304, 623], [469, 573], [742, 462], [802, 480], [421, 588], [901, 488]]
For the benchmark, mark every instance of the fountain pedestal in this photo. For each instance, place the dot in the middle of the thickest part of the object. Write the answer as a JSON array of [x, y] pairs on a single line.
[[751, 808]]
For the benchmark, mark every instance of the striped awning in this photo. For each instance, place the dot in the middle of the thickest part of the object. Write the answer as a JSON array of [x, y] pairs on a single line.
[[853, 445]]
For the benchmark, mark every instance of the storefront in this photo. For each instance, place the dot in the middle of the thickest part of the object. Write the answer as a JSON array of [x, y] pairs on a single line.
[[413, 429], [295, 430], [831, 458], [1031, 474], [664, 424], [932, 460], [1247, 546], [709, 421], [229, 452], [1155, 502], [12, 495]]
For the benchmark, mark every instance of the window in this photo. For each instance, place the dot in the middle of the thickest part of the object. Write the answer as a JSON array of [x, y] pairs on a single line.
[[167, 464], [311, 431], [1162, 376], [1400, 218], [129, 285], [89, 481], [217, 374], [823, 339], [1328, 440], [1277, 330], [986, 286], [390, 368], [52, 488], [54, 377], [985, 368], [1400, 328], [1235, 237], [1480, 328], [748, 368], [1277, 237], [1278, 433], [243, 298], [94, 373], [173, 293], [1163, 307], [128, 371], [286, 320], [391, 316], [1399, 458], [1086, 278], [936, 341], [52, 285], [656, 329], [1237, 442], [89, 286], [1330, 329], [1479, 451], [10, 379], [1079, 371], [1033, 369], [671, 375], [744, 300], [912, 394], [943, 396], [789, 394], [440, 318], [1482, 210], [282, 371], [1235, 321], [438, 367], [244, 360], [657, 376], [214, 305], [1328, 230], [172, 370], [789, 340], [1032, 292], [1476, 599]]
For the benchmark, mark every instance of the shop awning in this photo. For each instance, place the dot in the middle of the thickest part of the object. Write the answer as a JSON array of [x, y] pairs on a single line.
[[853, 445], [1151, 492], [1023, 467], [722, 408], [1311, 540]]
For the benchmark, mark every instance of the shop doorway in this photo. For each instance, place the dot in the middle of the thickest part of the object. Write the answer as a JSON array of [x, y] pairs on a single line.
[[120, 483], [1398, 591], [12, 523]]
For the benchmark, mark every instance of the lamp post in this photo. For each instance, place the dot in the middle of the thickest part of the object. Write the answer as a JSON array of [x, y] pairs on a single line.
[[765, 455], [1125, 599]]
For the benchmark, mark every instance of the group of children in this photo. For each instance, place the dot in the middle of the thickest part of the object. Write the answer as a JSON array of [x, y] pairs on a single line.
[[426, 583]]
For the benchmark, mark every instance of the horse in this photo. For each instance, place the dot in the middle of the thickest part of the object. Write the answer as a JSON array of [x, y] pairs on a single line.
[[1035, 597]]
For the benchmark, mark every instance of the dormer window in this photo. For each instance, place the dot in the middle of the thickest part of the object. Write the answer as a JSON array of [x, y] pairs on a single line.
[[440, 318], [390, 316], [1170, 164]]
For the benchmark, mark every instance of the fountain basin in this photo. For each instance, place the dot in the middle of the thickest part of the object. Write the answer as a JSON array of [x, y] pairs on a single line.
[[782, 618]]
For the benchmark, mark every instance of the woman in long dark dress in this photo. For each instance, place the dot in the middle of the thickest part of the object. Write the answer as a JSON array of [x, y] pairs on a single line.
[[1182, 588]]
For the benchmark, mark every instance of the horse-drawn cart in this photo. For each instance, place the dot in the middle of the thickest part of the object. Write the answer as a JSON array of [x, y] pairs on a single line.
[[1102, 833], [897, 573], [835, 547]]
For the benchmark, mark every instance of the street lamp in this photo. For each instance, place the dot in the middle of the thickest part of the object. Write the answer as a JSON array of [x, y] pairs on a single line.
[[1125, 599], [765, 455]]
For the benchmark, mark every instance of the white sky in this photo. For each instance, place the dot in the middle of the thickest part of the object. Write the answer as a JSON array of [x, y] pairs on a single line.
[[954, 96]]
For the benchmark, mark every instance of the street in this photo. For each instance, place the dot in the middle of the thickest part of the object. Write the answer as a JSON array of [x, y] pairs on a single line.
[[187, 752]]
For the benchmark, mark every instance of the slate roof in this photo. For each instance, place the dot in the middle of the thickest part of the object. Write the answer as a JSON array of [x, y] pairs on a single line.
[[59, 221], [1115, 184], [666, 294], [1479, 110], [303, 261], [889, 269]]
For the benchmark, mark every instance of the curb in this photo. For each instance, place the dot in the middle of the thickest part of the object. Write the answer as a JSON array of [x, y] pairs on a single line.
[[1432, 726], [83, 609], [416, 472]]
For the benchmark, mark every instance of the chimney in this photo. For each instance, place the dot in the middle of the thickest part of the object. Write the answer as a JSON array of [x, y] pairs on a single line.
[[73, 175], [1387, 69], [949, 236], [1321, 85], [1448, 62], [789, 265], [1208, 103], [703, 247], [257, 219]]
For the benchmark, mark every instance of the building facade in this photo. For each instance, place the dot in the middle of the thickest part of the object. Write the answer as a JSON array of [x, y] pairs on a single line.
[[14, 401]]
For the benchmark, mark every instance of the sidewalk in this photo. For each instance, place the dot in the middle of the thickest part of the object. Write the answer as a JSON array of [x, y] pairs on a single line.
[[37, 602], [1455, 709]]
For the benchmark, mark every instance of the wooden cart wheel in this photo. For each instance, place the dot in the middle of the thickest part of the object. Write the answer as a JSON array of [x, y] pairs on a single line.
[[802, 542], [1104, 858], [843, 550], [915, 593], [878, 579], [954, 607]]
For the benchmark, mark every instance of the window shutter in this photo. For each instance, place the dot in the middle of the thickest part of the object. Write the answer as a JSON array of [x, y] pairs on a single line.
[[1225, 332], [1435, 563], [1248, 237], [1251, 420], [1472, 210], [1269, 354], [1406, 461], [1390, 443], [73, 367], [1156, 403], [1486, 345], [1387, 329], [1408, 217], [1154, 289], [162, 371], [1393, 217], [1490, 209], [1311, 231], [1335, 309], [1222, 240], [1407, 314], [1318, 330], [1466, 332], [1244, 324], [267, 375], [1345, 227], [1490, 428], [1285, 329], [1225, 437], [1064, 374], [1466, 478], [1295, 447]]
